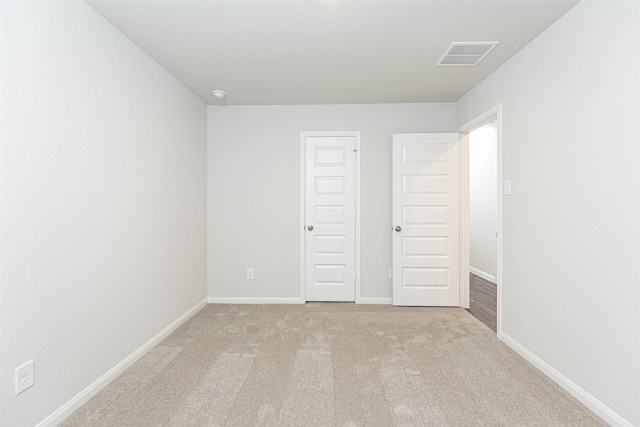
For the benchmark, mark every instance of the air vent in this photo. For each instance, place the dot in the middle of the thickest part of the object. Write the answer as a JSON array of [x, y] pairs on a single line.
[[464, 54]]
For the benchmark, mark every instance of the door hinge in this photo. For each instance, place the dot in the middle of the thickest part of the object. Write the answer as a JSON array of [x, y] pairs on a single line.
[[356, 152]]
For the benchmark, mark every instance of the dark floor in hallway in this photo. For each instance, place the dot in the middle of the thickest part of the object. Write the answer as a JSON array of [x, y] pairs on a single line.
[[483, 301]]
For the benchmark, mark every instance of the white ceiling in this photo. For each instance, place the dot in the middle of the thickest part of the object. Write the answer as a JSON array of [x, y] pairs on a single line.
[[327, 52]]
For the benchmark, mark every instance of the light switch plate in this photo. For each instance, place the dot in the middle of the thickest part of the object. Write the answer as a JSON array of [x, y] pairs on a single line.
[[507, 187]]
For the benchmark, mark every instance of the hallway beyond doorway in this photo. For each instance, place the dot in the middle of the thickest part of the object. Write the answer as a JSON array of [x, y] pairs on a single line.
[[483, 301]]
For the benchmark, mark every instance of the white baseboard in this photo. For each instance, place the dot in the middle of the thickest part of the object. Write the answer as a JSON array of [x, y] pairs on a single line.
[[255, 300], [68, 408], [485, 276], [576, 391], [376, 300], [286, 300]]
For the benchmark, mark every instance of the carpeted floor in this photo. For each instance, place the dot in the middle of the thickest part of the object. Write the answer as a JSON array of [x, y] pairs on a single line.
[[325, 364]]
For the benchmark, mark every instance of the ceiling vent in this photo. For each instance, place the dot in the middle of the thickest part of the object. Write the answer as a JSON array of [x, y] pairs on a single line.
[[461, 54]]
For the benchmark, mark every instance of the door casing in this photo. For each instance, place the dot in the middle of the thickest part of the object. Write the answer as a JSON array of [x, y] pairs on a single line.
[[303, 192]]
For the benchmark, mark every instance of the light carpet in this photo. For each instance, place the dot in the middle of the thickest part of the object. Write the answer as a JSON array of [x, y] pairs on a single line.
[[332, 364]]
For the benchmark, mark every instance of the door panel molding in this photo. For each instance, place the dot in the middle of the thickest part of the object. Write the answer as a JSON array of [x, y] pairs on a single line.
[[327, 158]]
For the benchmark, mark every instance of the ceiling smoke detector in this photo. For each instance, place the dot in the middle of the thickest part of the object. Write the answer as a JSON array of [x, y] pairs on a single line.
[[462, 54], [218, 94]]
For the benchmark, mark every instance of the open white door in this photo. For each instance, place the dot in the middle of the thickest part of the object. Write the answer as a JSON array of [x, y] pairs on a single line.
[[426, 219]]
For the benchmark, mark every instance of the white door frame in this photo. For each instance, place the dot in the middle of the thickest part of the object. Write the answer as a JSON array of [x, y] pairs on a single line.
[[492, 114], [303, 192]]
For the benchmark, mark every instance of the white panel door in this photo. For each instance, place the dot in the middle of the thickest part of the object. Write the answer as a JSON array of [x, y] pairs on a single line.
[[330, 212], [426, 220]]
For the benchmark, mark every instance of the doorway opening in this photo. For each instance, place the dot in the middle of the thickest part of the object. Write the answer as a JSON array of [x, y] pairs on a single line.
[[481, 218], [483, 231]]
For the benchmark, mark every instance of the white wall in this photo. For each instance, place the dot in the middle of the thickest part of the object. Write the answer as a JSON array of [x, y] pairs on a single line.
[[483, 176], [254, 190], [571, 113], [103, 201]]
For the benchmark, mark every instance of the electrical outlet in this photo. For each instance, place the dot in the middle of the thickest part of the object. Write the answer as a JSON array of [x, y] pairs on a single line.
[[24, 377], [249, 273]]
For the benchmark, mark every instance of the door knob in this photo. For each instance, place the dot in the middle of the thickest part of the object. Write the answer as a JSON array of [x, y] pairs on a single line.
[[398, 228], [310, 227]]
